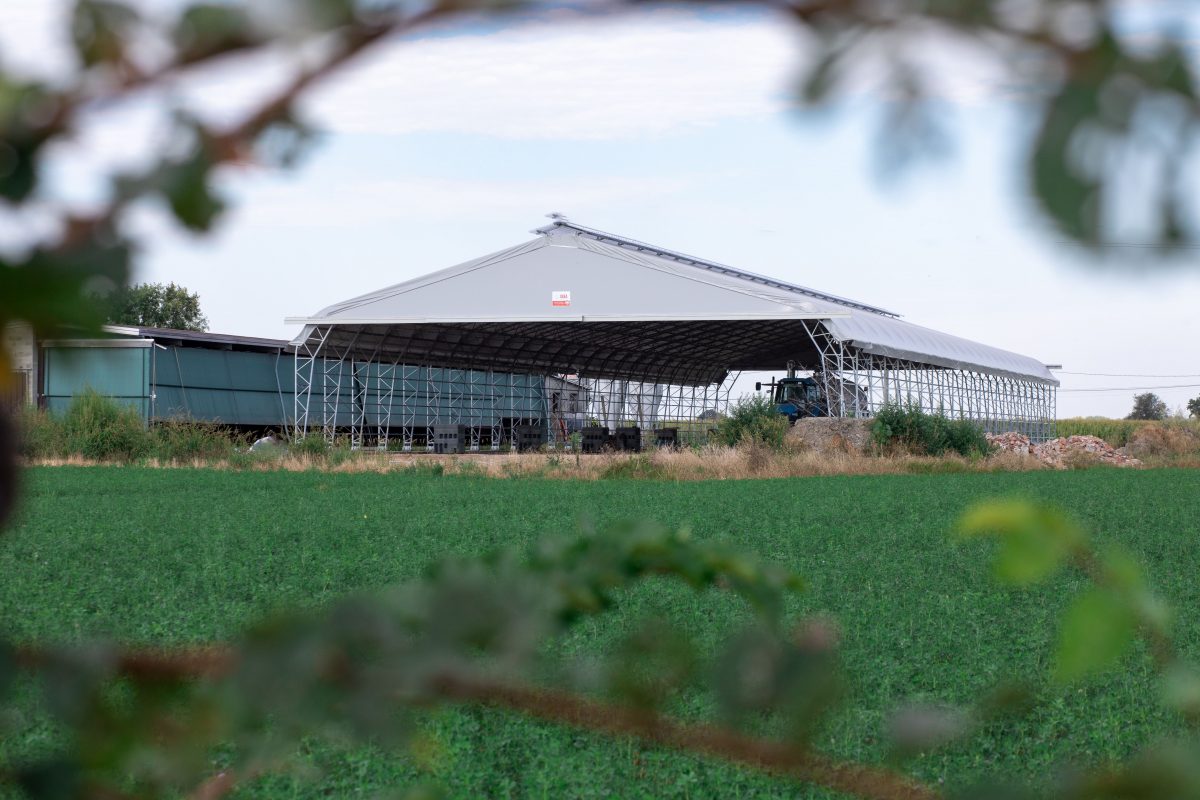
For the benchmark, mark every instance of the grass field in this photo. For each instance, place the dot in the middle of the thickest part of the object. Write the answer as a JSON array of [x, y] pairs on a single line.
[[175, 556]]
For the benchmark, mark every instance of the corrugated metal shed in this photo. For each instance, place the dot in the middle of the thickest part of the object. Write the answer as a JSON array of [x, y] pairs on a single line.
[[240, 381], [172, 374]]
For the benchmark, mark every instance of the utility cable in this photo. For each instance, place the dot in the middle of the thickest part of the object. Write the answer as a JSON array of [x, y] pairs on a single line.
[[1136, 388], [1119, 374]]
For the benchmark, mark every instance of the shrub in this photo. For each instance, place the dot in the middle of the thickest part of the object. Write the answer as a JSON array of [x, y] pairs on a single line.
[[41, 435], [340, 452], [185, 440], [753, 419], [637, 466], [1164, 439], [99, 428], [910, 428], [313, 444]]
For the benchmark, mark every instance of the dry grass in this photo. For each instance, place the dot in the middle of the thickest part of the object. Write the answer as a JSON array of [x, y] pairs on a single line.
[[1121, 432], [1167, 440], [710, 463]]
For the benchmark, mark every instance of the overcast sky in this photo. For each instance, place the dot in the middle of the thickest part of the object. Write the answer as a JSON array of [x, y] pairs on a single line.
[[673, 127]]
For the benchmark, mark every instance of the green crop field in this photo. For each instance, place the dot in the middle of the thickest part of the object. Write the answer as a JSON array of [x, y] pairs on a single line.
[[184, 556]]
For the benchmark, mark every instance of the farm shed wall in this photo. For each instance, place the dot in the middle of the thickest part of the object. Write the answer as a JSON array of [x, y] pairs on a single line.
[[226, 386], [163, 382], [117, 371], [169, 375]]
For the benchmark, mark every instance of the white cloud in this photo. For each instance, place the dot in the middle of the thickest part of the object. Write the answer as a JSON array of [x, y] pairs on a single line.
[[365, 204], [618, 78], [583, 78], [596, 79]]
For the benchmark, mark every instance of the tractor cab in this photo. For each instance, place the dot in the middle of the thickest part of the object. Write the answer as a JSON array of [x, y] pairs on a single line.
[[796, 397]]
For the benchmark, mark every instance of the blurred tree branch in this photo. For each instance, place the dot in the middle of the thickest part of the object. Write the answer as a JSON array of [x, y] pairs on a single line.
[[567, 708]]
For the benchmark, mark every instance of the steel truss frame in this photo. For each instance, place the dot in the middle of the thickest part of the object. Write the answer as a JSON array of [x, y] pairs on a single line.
[[859, 384], [395, 404], [306, 355]]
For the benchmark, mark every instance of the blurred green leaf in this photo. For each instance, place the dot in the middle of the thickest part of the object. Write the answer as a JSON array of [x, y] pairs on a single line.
[[72, 678], [821, 79], [650, 663], [1168, 771], [328, 14], [188, 191], [9, 468], [27, 121], [1097, 630], [53, 290], [1181, 689], [206, 29], [761, 672], [920, 728], [1008, 699], [1122, 573], [8, 667], [1121, 570], [1034, 539], [1068, 190], [53, 779], [969, 15], [18, 170], [1169, 70], [100, 30]]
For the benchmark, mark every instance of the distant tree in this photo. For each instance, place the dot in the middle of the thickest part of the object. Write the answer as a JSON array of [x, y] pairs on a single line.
[[1148, 406], [153, 305], [1193, 407]]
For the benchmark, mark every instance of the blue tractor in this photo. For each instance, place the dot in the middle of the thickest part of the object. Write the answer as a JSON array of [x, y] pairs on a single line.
[[796, 397]]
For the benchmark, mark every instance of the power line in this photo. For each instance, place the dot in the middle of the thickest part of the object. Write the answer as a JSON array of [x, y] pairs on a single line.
[[1119, 374], [1145, 245], [1135, 388]]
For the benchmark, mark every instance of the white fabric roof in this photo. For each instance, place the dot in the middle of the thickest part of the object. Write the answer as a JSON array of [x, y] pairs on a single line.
[[895, 338], [605, 282], [573, 279]]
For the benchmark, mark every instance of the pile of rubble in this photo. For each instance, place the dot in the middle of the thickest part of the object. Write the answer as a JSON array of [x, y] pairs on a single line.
[[831, 434], [1064, 453], [1010, 442]]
